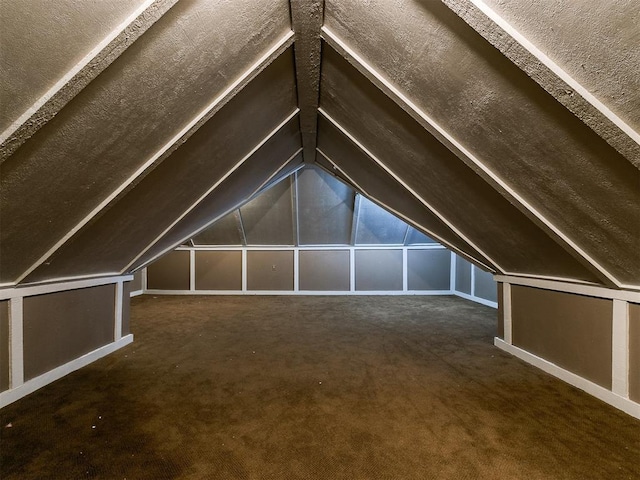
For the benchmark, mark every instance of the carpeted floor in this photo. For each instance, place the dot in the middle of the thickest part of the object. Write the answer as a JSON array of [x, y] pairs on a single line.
[[314, 388]]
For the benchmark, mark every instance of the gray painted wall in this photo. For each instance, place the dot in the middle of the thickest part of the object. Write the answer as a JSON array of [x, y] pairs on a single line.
[[378, 270], [324, 270], [218, 270]]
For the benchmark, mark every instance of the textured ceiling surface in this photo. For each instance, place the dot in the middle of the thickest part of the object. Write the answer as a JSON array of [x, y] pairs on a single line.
[[507, 131]]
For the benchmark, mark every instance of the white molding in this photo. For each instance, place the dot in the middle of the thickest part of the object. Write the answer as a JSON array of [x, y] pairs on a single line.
[[472, 288], [296, 270], [284, 43], [454, 272], [303, 292], [568, 287], [244, 269], [466, 156], [442, 218], [192, 269], [137, 293], [270, 135], [405, 270], [620, 349], [16, 342], [236, 248], [119, 300], [34, 384], [44, 288], [352, 270], [480, 300], [507, 315], [557, 70], [617, 401], [144, 279]]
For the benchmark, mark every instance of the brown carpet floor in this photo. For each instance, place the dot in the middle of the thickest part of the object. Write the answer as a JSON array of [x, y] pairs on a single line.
[[314, 388]]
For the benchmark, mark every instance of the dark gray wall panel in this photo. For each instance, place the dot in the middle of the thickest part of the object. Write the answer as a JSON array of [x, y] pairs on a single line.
[[269, 270], [379, 185], [324, 270], [325, 209], [126, 308], [428, 269], [60, 327], [430, 169], [136, 283], [485, 286], [268, 218], [500, 329], [170, 272], [146, 211], [218, 270], [634, 352], [141, 101], [376, 226], [378, 270], [463, 275], [572, 331], [238, 187], [225, 231], [415, 237], [555, 162], [4, 345]]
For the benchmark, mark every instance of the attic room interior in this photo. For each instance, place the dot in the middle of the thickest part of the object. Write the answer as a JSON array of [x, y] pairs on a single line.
[[320, 239]]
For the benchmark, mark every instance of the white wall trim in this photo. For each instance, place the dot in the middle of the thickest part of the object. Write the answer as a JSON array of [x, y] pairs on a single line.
[[453, 273], [34, 384], [16, 342], [296, 270], [620, 349], [567, 287], [301, 292], [621, 403], [119, 300], [44, 288], [473, 298], [507, 313], [136, 293], [244, 270], [192, 269], [405, 269]]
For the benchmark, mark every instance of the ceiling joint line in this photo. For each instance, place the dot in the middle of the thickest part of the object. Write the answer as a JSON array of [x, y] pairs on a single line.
[[467, 157], [212, 188], [168, 148], [81, 75]]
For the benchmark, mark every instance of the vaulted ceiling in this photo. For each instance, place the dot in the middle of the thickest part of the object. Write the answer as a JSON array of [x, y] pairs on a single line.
[[508, 131]]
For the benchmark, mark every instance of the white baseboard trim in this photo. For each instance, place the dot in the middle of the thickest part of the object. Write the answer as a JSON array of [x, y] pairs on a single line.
[[626, 405], [136, 293], [300, 292], [473, 298], [34, 384]]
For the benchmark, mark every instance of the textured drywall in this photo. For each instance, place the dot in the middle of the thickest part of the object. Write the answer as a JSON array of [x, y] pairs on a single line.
[[572, 331], [324, 270], [380, 186], [428, 270], [268, 218], [378, 270], [499, 230], [573, 35], [170, 272], [225, 231], [41, 42], [234, 191], [536, 146], [218, 271], [142, 215], [60, 327], [124, 116], [269, 270]]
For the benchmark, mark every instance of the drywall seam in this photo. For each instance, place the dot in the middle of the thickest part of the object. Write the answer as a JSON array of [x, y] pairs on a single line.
[[180, 138], [469, 159], [496, 266], [550, 76], [76, 79]]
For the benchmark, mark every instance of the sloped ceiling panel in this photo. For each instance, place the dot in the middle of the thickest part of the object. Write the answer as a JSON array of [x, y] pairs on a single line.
[[507, 237], [41, 43], [376, 226], [377, 184], [268, 218], [234, 191], [146, 211], [225, 231], [116, 124], [559, 29], [541, 151]]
